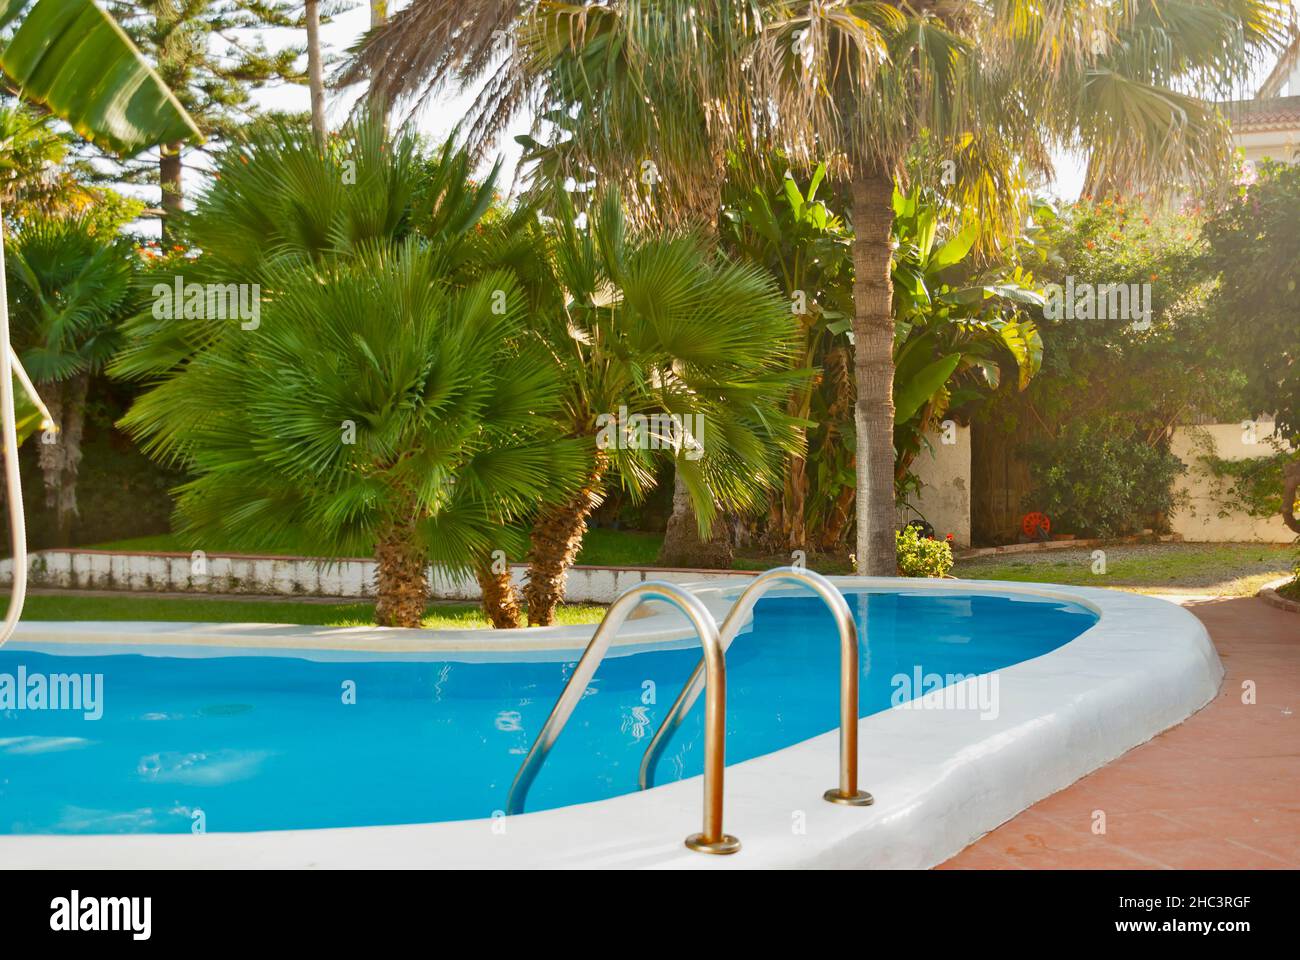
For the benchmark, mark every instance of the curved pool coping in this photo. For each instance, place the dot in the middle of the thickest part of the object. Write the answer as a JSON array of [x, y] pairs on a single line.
[[941, 778]]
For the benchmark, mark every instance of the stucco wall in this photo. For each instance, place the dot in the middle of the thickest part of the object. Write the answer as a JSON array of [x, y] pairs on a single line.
[[944, 499], [1199, 519]]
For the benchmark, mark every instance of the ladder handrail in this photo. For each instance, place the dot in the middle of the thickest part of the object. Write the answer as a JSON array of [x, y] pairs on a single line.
[[713, 669], [847, 792], [9, 445]]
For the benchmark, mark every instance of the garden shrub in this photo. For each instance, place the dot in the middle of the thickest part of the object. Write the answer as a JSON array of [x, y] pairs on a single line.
[[1102, 478], [921, 556]]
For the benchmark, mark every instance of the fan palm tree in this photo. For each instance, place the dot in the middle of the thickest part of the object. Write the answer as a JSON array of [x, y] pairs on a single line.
[[280, 199], [281, 209], [69, 290], [667, 352], [380, 406], [987, 83]]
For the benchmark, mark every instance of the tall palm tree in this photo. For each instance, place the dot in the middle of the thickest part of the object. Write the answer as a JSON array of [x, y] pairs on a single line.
[[988, 83], [69, 290], [1124, 80]]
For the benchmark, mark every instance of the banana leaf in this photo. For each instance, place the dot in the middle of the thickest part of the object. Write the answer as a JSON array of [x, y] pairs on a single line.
[[73, 57]]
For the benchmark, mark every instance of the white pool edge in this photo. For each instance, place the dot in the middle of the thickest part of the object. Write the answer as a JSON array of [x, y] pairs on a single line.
[[941, 778]]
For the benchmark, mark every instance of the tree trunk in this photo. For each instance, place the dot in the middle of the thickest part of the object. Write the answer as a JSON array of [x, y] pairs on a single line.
[[315, 77], [796, 486], [73, 427], [379, 99], [401, 580], [52, 449], [169, 180], [682, 545], [873, 333], [1290, 488], [499, 601], [557, 537]]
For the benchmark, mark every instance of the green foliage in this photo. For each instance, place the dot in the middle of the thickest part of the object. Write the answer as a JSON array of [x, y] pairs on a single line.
[[920, 556], [961, 328], [1096, 367], [1254, 250], [69, 288], [1252, 486], [1101, 478], [1141, 379], [385, 310], [211, 54], [790, 227], [375, 389], [277, 201], [644, 324]]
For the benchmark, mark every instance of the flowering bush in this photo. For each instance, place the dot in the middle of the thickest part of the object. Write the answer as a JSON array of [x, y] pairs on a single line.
[[920, 556]]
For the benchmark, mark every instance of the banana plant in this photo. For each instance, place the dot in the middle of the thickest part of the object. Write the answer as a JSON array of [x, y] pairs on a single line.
[[786, 225], [961, 331]]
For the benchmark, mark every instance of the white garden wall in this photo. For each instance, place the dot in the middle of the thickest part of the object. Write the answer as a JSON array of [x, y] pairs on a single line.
[[293, 576], [944, 499], [1202, 517]]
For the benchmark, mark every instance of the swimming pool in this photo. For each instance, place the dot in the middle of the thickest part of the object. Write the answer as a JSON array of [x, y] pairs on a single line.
[[191, 742]]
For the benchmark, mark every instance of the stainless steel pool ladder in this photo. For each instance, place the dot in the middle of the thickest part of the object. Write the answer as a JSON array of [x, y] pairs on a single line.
[[847, 792], [710, 677]]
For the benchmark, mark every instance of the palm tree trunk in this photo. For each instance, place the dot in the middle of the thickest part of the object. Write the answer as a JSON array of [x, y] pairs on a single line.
[[169, 180], [401, 580], [50, 455], [557, 537], [379, 99], [873, 333], [683, 546], [73, 427], [315, 76], [499, 601]]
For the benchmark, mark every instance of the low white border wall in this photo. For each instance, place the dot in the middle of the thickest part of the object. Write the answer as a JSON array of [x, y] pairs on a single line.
[[941, 778], [296, 576]]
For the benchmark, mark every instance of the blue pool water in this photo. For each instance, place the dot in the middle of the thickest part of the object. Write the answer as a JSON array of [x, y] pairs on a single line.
[[268, 743]]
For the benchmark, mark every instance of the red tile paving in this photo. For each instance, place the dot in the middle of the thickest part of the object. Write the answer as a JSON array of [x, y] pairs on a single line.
[[1221, 790]]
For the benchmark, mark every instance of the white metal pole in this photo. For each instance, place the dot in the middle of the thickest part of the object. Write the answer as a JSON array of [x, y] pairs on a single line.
[[13, 484]]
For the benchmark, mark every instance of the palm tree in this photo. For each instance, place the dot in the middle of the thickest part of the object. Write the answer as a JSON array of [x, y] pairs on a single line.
[[278, 198], [292, 217], [380, 406], [69, 289], [988, 83], [646, 329]]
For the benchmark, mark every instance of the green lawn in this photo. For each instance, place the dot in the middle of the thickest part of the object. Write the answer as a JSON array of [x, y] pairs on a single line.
[[1217, 569], [1232, 569], [361, 614]]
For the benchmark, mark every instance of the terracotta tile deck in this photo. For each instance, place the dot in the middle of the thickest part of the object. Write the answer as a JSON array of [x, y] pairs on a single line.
[[1221, 790]]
